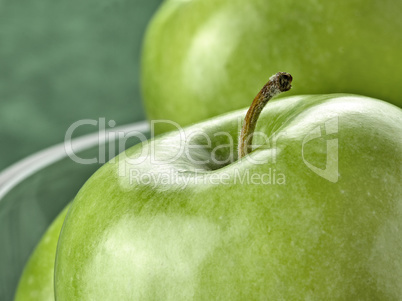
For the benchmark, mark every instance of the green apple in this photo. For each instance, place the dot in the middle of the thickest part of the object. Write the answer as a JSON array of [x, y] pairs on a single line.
[[304, 216], [37, 280], [202, 58]]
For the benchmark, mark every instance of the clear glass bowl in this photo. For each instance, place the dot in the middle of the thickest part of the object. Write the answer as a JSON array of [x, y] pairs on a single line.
[[36, 189]]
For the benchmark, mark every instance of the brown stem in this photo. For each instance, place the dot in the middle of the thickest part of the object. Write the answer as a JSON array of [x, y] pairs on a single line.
[[277, 83]]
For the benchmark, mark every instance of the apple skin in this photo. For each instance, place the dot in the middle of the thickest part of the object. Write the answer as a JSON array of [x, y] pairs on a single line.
[[203, 58], [305, 239], [37, 280]]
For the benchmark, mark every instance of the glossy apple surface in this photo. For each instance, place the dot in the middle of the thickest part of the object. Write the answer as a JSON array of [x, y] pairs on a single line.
[[206, 57], [315, 215], [37, 280]]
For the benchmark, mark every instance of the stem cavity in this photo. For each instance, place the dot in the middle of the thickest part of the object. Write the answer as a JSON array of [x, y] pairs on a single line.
[[276, 84]]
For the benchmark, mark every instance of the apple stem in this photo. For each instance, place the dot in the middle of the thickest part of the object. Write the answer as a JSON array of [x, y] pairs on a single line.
[[276, 84]]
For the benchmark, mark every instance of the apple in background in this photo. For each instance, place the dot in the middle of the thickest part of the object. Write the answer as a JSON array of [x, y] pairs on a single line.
[[178, 218], [37, 280], [202, 58]]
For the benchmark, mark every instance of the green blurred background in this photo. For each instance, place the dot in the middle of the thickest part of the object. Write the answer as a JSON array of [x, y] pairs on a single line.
[[62, 61]]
